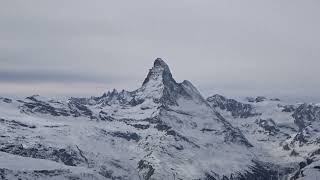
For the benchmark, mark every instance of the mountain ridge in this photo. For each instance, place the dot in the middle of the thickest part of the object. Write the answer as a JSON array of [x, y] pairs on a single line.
[[162, 130]]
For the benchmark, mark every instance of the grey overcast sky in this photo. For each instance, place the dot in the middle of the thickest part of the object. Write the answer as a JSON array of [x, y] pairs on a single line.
[[231, 47]]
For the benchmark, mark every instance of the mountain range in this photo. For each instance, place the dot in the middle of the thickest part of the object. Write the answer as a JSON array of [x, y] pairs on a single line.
[[163, 130]]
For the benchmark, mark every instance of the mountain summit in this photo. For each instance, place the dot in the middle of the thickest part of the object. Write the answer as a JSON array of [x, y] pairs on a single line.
[[159, 72], [160, 85]]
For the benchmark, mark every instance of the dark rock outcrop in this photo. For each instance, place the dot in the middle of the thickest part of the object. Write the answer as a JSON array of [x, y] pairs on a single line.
[[67, 156], [237, 109], [305, 114], [268, 125]]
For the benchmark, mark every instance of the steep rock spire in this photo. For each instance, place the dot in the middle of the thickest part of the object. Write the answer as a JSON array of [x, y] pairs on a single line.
[[160, 84], [159, 72]]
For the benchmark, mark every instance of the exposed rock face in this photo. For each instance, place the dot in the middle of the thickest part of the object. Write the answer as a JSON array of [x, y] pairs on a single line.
[[260, 99], [309, 168], [160, 78], [307, 119], [160, 72], [236, 108], [6, 100], [268, 125], [257, 99], [305, 114], [67, 156], [288, 108]]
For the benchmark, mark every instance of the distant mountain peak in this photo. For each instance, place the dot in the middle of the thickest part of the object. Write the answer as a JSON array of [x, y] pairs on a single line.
[[159, 72], [160, 84], [160, 62]]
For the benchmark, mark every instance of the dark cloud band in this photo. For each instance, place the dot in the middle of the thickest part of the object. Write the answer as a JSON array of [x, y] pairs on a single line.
[[47, 77]]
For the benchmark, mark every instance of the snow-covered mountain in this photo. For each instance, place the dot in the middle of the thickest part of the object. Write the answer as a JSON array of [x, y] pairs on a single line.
[[283, 134], [163, 130]]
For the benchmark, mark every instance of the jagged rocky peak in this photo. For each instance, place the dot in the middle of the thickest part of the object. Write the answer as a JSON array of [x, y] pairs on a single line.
[[159, 87], [162, 87], [160, 63], [160, 72], [160, 79]]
